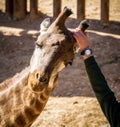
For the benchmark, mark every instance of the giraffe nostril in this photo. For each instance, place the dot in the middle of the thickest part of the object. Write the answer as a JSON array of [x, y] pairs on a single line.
[[37, 75], [42, 78]]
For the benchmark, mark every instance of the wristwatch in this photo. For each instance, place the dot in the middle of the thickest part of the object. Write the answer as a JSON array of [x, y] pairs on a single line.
[[86, 52]]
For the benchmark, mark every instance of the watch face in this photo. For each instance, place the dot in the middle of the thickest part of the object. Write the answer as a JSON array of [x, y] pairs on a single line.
[[88, 52]]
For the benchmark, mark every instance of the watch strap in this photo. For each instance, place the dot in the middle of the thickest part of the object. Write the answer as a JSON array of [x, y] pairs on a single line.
[[83, 52]]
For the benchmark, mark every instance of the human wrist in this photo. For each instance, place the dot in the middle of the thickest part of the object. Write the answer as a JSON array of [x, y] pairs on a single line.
[[86, 53], [86, 57]]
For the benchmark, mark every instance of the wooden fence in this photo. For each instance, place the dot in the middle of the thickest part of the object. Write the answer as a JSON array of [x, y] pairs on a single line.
[[104, 15], [17, 9]]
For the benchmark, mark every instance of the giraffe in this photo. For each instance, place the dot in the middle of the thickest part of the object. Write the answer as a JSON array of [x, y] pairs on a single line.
[[15, 85], [23, 97]]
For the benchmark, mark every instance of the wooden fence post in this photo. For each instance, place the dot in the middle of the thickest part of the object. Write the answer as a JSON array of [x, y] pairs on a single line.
[[56, 7], [80, 9], [19, 9], [105, 12], [33, 8], [16, 9], [9, 8]]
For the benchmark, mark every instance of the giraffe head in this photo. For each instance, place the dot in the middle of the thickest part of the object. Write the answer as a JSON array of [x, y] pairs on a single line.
[[53, 51]]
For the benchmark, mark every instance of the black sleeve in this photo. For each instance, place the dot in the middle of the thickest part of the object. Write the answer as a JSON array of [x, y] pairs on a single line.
[[106, 98]]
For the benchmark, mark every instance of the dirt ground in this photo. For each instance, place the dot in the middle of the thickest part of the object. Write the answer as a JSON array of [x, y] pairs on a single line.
[[72, 103]]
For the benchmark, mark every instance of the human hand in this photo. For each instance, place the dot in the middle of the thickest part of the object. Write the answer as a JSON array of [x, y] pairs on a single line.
[[81, 38]]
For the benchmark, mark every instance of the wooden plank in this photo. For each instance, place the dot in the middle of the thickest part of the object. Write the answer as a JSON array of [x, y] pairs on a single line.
[[19, 9], [56, 8], [33, 8], [9, 8], [105, 12], [80, 9]]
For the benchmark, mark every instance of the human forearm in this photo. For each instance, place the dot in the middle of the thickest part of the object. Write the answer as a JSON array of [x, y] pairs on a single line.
[[105, 96], [96, 77]]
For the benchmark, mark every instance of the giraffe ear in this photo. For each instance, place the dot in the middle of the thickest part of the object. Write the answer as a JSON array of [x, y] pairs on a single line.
[[45, 25]]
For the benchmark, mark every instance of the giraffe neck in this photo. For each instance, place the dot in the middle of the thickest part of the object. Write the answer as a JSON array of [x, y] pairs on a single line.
[[14, 80], [19, 106]]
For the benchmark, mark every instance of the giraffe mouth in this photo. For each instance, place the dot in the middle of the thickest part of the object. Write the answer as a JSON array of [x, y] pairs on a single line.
[[36, 86]]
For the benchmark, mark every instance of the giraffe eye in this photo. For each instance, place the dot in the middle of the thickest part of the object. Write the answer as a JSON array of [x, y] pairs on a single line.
[[38, 45], [56, 44]]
